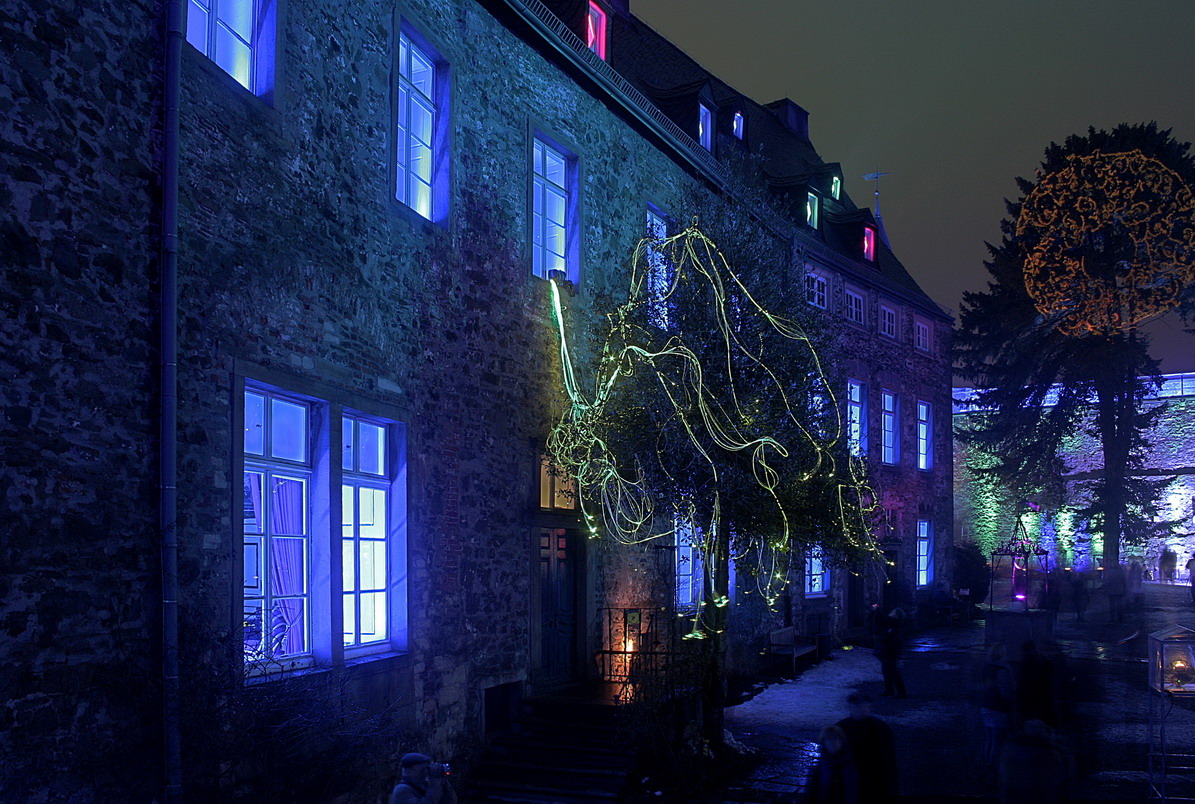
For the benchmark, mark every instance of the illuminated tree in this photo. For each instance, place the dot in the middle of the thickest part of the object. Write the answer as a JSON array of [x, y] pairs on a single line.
[[708, 413], [1102, 240]]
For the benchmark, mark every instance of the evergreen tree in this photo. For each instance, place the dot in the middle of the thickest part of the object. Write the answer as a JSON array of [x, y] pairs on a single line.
[[1099, 242]]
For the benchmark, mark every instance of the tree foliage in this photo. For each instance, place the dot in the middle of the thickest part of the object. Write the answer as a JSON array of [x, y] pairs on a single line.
[[1086, 252]]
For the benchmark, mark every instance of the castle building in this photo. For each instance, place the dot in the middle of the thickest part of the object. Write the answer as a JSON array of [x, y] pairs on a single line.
[[279, 366]]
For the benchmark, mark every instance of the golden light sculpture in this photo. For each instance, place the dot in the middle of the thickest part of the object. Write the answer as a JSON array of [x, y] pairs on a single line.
[[1111, 242], [711, 421]]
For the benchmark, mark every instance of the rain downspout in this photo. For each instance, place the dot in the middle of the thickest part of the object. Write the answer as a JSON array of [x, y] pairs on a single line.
[[168, 419]]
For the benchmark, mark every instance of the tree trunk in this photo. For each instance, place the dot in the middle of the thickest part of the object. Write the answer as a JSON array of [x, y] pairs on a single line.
[[1115, 405], [713, 698]]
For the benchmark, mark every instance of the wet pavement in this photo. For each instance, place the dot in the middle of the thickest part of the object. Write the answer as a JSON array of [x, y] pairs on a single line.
[[1101, 693]]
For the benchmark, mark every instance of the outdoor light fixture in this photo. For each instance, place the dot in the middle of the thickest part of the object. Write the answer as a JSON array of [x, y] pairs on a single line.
[[1172, 661]]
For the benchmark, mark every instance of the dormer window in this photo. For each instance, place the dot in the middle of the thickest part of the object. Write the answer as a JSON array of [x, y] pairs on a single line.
[[835, 187], [811, 210], [737, 126], [595, 30], [705, 127], [869, 243]]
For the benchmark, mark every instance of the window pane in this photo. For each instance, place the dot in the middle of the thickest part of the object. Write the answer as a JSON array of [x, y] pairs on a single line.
[[545, 483], [422, 72], [350, 619], [421, 161], [251, 623], [233, 56], [373, 616], [373, 566], [372, 514], [251, 505], [566, 495], [346, 439], [554, 167], [421, 197], [252, 567], [287, 566], [255, 414], [237, 15], [288, 506], [420, 124], [348, 551], [197, 19], [404, 62], [555, 207], [288, 627], [288, 430], [348, 517], [537, 158], [373, 449]]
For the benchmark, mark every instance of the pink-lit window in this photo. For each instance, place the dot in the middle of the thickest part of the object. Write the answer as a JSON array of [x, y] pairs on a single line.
[[869, 243], [595, 30]]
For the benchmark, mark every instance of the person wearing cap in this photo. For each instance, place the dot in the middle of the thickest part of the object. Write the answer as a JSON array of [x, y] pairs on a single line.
[[419, 785]]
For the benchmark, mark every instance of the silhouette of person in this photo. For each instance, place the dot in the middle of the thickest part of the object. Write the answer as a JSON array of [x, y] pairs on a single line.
[[889, 643], [1033, 769], [1079, 595], [1166, 565], [996, 701], [835, 778], [1136, 584], [1035, 686], [1191, 575], [874, 750], [423, 782]]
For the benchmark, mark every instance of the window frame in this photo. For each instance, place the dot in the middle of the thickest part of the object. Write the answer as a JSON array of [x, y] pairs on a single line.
[[894, 331], [856, 417], [705, 126], [815, 568], [925, 435], [925, 553], [597, 38], [817, 296], [836, 187], [813, 203], [738, 125], [439, 147], [689, 587], [855, 308], [657, 277], [889, 427], [572, 204], [869, 243], [261, 43], [551, 489], [922, 344]]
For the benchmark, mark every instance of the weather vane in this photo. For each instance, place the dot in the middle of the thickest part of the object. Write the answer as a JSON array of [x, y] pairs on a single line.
[[876, 178]]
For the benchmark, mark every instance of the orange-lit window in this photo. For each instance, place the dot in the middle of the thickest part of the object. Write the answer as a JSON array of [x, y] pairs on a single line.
[[869, 243], [595, 30]]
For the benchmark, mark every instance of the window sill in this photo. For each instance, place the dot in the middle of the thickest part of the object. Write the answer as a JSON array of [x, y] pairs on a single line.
[[369, 664]]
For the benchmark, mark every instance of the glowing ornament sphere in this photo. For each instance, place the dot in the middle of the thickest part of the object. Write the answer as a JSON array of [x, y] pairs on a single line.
[[1111, 242]]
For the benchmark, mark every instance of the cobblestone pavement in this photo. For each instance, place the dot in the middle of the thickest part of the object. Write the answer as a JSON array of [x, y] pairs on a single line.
[[1102, 693]]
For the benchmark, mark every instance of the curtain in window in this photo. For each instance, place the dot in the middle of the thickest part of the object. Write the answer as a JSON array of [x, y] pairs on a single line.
[[287, 632]]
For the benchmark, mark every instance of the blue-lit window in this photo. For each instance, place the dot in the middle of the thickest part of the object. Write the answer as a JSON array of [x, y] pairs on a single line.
[[705, 127], [290, 541], [890, 428], [738, 125], [925, 552], [812, 210], [238, 35], [925, 441], [816, 289], [835, 187], [856, 417], [817, 575], [276, 527], [689, 567], [855, 310], [658, 276], [420, 142], [551, 202]]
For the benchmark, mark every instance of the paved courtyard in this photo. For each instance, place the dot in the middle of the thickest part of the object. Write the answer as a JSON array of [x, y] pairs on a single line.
[[1101, 692]]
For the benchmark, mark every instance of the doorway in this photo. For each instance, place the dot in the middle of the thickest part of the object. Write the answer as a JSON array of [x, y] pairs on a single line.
[[559, 562]]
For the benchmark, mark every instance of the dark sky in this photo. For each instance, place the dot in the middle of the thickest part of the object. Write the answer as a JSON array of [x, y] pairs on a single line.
[[954, 98]]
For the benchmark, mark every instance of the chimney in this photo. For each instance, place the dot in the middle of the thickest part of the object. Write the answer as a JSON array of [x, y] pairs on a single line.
[[791, 115]]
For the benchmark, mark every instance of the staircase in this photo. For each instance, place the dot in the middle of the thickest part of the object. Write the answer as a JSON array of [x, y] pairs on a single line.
[[567, 748]]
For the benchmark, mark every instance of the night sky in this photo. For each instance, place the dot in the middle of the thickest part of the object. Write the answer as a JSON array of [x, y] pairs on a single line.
[[954, 98]]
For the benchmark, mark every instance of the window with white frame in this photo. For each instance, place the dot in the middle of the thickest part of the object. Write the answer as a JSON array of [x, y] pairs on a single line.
[[658, 278], [738, 125], [595, 30], [856, 417], [557, 489], [835, 187], [811, 210], [869, 244], [238, 35], [420, 129], [854, 307], [705, 127], [552, 183], [816, 288], [925, 552], [689, 567], [887, 321], [817, 574], [921, 335], [890, 427], [925, 443], [292, 598]]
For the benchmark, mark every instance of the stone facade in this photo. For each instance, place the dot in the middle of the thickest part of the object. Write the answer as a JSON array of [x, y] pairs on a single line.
[[299, 272]]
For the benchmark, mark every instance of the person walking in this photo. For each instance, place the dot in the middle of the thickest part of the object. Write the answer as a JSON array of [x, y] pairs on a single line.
[[835, 778], [889, 643], [873, 749], [1136, 585], [1079, 597], [995, 702]]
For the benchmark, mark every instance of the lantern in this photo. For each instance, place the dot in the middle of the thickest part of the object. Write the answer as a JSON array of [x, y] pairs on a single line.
[[1172, 660]]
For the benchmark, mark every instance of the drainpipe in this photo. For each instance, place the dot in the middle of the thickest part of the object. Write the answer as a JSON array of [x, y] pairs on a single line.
[[168, 419]]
